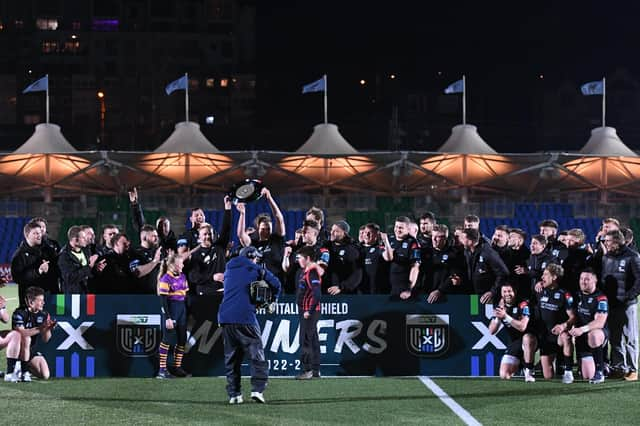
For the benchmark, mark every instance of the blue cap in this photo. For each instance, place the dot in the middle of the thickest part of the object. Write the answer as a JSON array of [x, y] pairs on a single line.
[[251, 252]]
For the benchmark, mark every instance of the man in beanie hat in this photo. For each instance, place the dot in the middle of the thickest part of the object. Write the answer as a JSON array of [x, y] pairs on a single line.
[[240, 328], [344, 273]]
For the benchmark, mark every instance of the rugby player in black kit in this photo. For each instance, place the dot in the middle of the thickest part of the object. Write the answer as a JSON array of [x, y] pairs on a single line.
[[404, 255], [553, 317], [590, 330], [514, 315]]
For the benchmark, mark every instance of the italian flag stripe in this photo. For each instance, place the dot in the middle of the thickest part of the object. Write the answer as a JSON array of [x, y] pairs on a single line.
[[91, 304], [60, 304]]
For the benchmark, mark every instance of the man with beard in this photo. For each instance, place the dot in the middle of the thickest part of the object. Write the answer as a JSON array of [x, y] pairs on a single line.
[[375, 268], [578, 258], [426, 223], [90, 238], [166, 238], [146, 261], [317, 215], [538, 260], [404, 256], [76, 263], [204, 266], [471, 221], [108, 232], [441, 263], [33, 266], [590, 330], [309, 238], [118, 276], [500, 242], [267, 238], [485, 270], [549, 229], [553, 318], [47, 243], [514, 315], [621, 284], [344, 272]]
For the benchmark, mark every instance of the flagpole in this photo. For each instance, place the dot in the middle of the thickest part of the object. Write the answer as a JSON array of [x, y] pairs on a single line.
[[325, 99], [186, 98], [464, 100], [47, 100], [604, 97]]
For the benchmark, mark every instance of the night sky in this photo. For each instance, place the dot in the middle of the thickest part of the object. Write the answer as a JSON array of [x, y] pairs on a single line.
[[427, 45]]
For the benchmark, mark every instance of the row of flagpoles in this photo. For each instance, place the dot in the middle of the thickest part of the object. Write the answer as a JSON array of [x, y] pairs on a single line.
[[597, 87], [592, 88]]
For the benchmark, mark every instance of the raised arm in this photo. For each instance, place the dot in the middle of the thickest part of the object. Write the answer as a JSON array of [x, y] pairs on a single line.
[[279, 227], [243, 237]]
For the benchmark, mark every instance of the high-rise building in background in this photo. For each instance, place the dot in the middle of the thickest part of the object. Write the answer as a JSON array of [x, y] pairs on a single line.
[[127, 51]]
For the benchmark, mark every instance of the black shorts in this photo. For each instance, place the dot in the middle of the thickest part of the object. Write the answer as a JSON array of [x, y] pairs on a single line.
[[548, 344], [515, 349], [582, 344]]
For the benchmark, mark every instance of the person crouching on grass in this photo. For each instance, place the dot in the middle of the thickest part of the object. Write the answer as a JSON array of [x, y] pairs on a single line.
[[308, 297], [172, 289], [31, 322]]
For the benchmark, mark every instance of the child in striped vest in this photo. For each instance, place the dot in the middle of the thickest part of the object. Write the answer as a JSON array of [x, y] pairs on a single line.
[[172, 289]]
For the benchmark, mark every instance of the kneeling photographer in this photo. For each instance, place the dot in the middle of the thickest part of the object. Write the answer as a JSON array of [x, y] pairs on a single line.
[[240, 328]]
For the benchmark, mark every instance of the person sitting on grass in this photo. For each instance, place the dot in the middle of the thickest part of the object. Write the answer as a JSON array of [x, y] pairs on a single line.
[[30, 322], [10, 340], [514, 316]]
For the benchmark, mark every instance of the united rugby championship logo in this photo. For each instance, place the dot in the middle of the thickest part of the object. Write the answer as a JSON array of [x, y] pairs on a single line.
[[138, 335], [427, 335]]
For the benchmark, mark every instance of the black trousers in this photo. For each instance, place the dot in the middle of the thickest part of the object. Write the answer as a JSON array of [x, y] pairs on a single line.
[[241, 339], [310, 342]]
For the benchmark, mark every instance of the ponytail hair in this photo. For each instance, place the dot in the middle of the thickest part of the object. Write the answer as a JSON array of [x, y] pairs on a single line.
[[164, 265]]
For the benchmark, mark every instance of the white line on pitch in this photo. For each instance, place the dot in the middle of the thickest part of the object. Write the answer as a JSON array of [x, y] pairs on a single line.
[[464, 415]]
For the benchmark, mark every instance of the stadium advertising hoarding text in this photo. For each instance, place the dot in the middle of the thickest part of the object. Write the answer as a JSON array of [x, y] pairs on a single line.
[[108, 335]]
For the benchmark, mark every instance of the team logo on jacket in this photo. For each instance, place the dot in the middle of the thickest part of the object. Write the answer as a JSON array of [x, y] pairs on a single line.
[[137, 335], [427, 335]]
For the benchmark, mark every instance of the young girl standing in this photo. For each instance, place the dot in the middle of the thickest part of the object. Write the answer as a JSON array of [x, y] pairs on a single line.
[[172, 289]]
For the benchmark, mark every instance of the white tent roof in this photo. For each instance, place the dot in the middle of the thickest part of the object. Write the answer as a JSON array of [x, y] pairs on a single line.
[[604, 141], [465, 139], [326, 139], [46, 139], [187, 138]]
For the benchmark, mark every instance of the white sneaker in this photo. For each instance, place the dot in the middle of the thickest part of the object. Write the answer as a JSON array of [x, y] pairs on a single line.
[[26, 377], [258, 397], [13, 377], [567, 377], [528, 376], [236, 400]]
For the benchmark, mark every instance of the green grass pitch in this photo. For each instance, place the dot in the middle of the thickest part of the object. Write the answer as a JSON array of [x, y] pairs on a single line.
[[329, 401]]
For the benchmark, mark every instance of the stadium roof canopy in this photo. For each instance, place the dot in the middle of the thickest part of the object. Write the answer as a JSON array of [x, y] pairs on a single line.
[[326, 161]]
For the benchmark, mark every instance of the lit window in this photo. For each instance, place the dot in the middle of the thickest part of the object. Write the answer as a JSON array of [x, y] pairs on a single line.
[[72, 46], [19, 23], [47, 24], [224, 82], [1, 26], [49, 46], [210, 82]]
